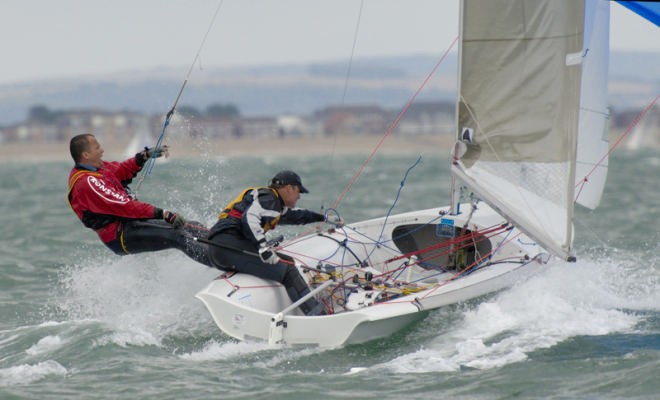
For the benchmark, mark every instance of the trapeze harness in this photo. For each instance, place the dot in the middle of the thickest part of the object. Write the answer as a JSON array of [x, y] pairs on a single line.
[[89, 219]]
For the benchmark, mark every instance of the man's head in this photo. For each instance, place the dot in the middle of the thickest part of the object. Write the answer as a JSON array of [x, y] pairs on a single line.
[[289, 186], [85, 149]]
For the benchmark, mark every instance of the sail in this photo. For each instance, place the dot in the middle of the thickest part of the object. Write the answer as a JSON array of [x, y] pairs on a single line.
[[141, 139], [647, 9], [519, 96], [593, 144]]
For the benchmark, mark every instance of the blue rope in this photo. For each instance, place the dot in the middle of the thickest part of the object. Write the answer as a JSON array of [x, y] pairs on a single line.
[[152, 160], [398, 193]]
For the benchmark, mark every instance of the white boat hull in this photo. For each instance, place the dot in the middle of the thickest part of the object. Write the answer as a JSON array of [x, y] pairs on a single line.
[[250, 308]]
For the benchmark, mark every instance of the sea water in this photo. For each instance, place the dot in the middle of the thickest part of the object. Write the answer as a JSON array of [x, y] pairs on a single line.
[[77, 322]]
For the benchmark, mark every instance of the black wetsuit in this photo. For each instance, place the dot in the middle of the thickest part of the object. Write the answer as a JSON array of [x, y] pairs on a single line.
[[241, 227], [154, 234]]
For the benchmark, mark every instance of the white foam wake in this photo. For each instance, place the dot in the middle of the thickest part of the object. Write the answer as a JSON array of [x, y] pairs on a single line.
[[569, 300], [139, 298], [28, 373]]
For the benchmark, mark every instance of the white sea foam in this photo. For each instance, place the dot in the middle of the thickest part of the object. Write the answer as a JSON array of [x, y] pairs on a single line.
[[45, 345], [356, 370], [214, 350], [568, 300], [140, 298], [260, 354], [28, 373]]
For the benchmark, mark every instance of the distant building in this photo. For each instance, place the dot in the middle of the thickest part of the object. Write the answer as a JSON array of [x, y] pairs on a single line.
[[108, 126], [428, 118], [421, 118], [353, 120], [207, 127], [295, 126]]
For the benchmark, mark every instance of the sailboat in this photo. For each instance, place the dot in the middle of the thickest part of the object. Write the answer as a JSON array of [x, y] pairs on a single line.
[[531, 133], [141, 139]]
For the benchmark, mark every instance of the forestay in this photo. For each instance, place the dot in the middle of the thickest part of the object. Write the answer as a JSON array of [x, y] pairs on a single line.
[[519, 96]]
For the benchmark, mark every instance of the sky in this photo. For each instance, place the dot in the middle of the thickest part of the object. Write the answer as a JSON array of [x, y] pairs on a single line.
[[45, 39]]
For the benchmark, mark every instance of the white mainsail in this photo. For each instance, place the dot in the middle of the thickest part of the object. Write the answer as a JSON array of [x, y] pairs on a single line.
[[518, 112]]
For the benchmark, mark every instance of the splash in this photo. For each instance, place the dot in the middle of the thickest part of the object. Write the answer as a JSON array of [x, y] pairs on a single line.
[[569, 300], [28, 373], [141, 299], [45, 345], [214, 350]]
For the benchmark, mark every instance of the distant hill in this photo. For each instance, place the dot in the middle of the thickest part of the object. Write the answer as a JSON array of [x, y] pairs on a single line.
[[298, 89]]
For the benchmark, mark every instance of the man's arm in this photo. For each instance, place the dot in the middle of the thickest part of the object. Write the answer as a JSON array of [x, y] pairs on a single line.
[[124, 170], [299, 216]]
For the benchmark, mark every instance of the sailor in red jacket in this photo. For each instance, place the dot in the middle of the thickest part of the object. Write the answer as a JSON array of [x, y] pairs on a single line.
[[98, 195]]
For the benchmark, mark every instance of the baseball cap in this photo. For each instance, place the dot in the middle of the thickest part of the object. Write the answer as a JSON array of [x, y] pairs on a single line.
[[287, 177]]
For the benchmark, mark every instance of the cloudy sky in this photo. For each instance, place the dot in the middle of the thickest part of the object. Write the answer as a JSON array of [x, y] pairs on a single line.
[[43, 39]]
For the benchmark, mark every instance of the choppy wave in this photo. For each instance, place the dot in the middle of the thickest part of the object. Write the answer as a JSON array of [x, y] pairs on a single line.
[[28, 373], [570, 300], [75, 319]]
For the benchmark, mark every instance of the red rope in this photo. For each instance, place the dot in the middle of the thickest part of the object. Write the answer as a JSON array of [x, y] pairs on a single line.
[[394, 124], [457, 240], [469, 267], [470, 240]]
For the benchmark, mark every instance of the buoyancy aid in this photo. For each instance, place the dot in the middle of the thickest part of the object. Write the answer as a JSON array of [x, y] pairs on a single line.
[[236, 207], [89, 219], [100, 200]]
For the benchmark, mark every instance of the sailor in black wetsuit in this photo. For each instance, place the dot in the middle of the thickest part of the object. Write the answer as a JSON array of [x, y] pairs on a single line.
[[242, 225]]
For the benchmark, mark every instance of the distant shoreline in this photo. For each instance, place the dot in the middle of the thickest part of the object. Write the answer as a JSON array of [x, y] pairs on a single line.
[[257, 147], [59, 151]]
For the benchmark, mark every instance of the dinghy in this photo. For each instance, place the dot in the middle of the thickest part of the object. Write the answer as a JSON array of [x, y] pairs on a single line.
[[531, 141]]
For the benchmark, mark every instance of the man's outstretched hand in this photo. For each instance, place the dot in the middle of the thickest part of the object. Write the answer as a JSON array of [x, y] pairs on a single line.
[[174, 219]]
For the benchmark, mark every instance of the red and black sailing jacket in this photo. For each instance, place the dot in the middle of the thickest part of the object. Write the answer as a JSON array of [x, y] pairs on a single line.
[[100, 200]]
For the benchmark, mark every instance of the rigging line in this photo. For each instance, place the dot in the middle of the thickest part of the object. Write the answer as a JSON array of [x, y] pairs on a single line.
[[466, 270], [432, 259], [458, 240], [349, 69], [370, 240], [617, 143], [396, 199], [350, 60], [394, 124], [152, 160]]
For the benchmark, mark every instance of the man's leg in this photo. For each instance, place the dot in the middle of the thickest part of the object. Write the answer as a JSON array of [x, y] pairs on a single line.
[[297, 288], [240, 254], [155, 235]]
